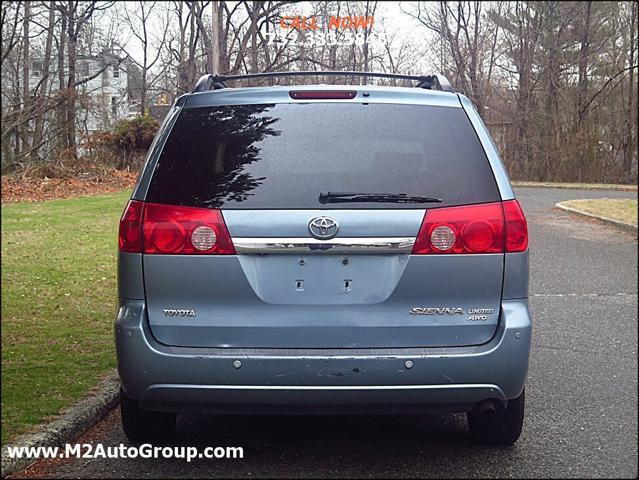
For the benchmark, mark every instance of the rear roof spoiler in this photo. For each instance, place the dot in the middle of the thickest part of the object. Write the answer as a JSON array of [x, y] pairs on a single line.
[[430, 82]]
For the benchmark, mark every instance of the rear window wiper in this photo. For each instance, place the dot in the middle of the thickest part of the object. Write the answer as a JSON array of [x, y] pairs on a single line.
[[342, 197]]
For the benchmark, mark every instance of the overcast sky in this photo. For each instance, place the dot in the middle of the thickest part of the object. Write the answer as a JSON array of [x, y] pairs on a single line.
[[388, 17]]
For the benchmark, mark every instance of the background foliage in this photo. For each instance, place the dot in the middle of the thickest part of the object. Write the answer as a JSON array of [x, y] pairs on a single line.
[[555, 81]]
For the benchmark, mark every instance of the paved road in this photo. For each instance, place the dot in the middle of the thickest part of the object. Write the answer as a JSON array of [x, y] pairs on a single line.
[[581, 418]]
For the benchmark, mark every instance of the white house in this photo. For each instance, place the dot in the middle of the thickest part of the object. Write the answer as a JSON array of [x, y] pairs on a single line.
[[103, 99]]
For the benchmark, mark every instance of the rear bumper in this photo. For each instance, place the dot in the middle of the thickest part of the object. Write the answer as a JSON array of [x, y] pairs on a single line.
[[160, 377]]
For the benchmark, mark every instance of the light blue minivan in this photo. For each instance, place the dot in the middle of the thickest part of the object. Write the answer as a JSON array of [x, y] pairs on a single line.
[[323, 249]]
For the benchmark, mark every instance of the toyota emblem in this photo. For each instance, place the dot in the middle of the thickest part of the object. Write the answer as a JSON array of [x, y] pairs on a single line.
[[323, 228]]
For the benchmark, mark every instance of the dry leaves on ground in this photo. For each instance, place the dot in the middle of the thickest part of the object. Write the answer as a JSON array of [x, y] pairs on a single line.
[[15, 189]]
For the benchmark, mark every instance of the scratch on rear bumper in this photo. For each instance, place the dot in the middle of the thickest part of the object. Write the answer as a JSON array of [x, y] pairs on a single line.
[[162, 377]]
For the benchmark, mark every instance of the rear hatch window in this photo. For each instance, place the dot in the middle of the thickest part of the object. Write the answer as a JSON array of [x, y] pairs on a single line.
[[284, 155]]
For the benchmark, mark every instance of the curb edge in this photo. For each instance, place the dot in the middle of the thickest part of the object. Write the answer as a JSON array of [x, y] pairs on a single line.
[[74, 421], [629, 227]]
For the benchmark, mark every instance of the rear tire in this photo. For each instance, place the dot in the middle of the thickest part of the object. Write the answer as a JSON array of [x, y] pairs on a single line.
[[144, 425], [501, 426]]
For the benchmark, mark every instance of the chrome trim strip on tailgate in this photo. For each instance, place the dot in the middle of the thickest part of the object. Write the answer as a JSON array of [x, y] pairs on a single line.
[[334, 245]]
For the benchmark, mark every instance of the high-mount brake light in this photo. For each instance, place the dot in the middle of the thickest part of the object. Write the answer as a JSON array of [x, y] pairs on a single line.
[[173, 230], [322, 94], [483, 228]]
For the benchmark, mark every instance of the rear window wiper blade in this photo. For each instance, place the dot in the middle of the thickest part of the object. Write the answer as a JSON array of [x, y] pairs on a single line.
[[342, 197]]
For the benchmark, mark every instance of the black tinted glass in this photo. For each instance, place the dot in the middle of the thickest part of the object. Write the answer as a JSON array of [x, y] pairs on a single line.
[[284, 155]]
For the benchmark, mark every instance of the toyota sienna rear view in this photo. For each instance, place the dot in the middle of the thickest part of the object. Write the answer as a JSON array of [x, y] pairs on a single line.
[[323, 249]]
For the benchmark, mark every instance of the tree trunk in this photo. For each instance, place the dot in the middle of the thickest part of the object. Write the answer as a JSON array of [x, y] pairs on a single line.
[[72, 37], [60, 112], [224, 60], [26, 101], [44, 87], [206, 41], [583, 64], [491, 64], [523, 88], [254, 17], [582, 90], [192, 67], [631, 119], [143, 92], [216, 24], [182, 65], [365, 48], [145, 68]]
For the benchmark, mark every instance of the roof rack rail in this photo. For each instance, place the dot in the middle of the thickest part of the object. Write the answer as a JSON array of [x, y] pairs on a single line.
[[216, 82]]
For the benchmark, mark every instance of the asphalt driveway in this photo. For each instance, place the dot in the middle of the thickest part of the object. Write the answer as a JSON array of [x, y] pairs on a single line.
[[581, 418]]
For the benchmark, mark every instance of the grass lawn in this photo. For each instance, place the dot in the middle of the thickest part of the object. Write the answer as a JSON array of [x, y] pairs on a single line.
[[623, 210], [58, 304]]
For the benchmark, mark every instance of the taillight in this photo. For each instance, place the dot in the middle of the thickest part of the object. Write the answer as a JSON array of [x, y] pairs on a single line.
[[130, 234], [485, 228], [174, 230], [322, 94], [169, 229], [467, 229], [516, 227]]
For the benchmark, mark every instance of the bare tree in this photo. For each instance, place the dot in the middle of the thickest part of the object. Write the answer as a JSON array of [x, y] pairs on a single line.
[[555, 81], [139, 18], [76, 16], [216, 31], [468, 38], [43, 90], [630, 136]]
